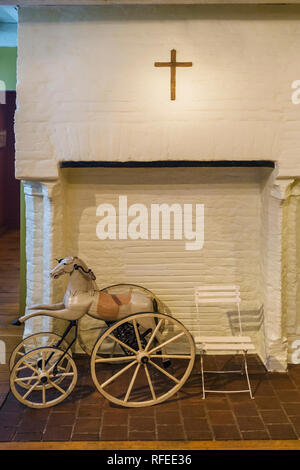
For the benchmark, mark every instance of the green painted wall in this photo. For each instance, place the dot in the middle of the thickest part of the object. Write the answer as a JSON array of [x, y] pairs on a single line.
[[8, 67]]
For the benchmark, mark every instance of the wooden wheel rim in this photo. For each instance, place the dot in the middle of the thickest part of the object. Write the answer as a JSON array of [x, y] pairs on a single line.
[[45, 404], [164, 396]]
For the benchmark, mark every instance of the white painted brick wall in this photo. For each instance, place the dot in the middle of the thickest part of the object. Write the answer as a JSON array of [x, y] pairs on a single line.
[[88, 88], [231, 252]]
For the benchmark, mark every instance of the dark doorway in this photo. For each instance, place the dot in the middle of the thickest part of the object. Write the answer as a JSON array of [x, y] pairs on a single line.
[[9, 186]]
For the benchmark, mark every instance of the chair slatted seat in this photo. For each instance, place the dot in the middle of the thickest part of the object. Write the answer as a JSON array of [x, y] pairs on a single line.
[[216, 295]]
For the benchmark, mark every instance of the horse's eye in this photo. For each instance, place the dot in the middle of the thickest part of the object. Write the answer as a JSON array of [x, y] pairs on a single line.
[[65, 264]]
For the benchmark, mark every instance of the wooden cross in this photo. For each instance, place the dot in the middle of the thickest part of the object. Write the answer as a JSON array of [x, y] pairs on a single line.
[[173, 64]]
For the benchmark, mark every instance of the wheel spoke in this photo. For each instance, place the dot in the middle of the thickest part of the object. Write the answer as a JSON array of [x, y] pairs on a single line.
[[108, 381], [30, 367], [149, 382], [113, 350], [164, 372], [44, 394], [132, 383], [160, 346], [56, 386], [53, 365], [153, 334], [21, 379], [137, 335], [121, 343], [30, 390], [116, 359], [64, 374]]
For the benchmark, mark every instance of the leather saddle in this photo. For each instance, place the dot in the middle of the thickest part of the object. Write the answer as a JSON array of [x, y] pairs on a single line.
[[109, 304]]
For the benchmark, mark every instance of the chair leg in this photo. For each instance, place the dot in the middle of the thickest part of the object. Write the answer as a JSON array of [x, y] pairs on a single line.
[[202, 376], [247, 375]]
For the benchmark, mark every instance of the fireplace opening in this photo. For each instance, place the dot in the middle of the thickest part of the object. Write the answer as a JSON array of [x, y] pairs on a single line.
[[231, 253]]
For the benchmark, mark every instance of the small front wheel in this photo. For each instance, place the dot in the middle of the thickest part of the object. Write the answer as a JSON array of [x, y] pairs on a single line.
[[37, 340], [42, 369], [153, 358]]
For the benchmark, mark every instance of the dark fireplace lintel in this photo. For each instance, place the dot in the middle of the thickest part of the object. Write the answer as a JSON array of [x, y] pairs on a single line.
[[168, 164]]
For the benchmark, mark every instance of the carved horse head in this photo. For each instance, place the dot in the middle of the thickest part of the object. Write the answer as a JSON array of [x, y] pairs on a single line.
[[69, 265]]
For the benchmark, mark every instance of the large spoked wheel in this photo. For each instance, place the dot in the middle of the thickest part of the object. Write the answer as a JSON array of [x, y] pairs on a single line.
[[35, 341], [42, 369], [142, 359]]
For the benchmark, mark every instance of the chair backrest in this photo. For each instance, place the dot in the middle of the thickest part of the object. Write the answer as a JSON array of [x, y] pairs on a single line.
[[219, 294]]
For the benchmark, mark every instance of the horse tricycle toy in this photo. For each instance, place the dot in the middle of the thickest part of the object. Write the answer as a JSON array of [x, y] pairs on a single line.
[[140, 357]]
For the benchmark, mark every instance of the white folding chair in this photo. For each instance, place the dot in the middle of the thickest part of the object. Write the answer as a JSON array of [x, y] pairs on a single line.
[[210, 295]]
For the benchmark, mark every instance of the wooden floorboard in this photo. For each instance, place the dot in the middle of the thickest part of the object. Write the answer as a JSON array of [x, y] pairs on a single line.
[[153, 445], [9, 301]]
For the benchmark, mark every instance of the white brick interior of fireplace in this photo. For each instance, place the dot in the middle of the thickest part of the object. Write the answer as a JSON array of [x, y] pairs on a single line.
[[230, 254]]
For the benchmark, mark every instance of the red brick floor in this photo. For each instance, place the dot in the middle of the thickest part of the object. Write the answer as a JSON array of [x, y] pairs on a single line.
[[85, 415]]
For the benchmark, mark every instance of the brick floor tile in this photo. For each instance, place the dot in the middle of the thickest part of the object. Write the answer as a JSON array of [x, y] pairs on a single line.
[[238, 398], [168, 406], [292, 409], [199, 435], [245, 409], [36, 414], [274, 416], [226, 432], [89, 411], [141, 423], [143, 411], [199, 424], [281, 431], [66, 406], [288, 396], [28, 425], [267, 403], [28, 436], [168, 417], [114, 433], [255, 435], [7, 433], [263, 388], [10, 418], [57, 433], [87, 425], [250, 423], [142, 436], [296, 424], [113, 418], [194, 411], [170, 433], [213, 403], [221, 417], [85, 437], [94, 398], [282, 381], [63, 418]]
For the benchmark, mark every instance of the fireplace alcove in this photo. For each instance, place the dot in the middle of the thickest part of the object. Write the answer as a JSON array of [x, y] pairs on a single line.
[[238, 210]]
